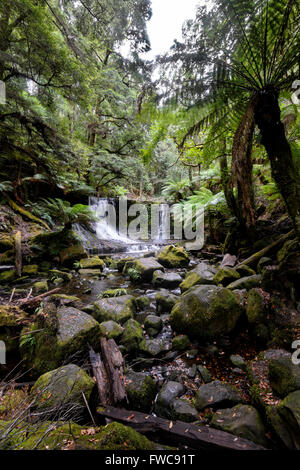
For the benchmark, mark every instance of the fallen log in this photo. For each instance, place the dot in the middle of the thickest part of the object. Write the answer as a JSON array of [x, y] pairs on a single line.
[[194, 436], [255, 258], [108, 372], [31, 303]]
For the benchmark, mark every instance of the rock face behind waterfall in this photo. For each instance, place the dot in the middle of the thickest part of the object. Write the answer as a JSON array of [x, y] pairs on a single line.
[[206, 312]]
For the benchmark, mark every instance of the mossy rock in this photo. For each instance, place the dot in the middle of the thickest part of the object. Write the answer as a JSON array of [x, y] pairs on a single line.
[[121, 263], [119, 309], [256, 307], [206, 312], [47, 245], [12, 320], [6, 242], [247, 282], [56, 274], [202, 274], [217, 394], [40, 287], [242, 421], [141, 270], [141, 303], [132, 336], [70, 255], [180, 343], [182, 410], [111, 329], [169, 391], [153, 347], [30, 270], [225, 276], [165, 301], [92, 263], [62, 388], [285, 420], [284, 376], [173, 257], [65, 436], [7, 276], [114, 293], [141, 391], [243, 270], [153, 324]]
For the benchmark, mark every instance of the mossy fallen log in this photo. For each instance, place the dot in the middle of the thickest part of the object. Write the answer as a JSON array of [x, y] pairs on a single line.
[[26, 213]]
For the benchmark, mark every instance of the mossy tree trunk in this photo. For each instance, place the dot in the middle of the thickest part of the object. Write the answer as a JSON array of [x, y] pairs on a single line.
[[284, 172]]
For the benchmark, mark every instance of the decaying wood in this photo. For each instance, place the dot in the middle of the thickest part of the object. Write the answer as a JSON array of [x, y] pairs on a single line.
[[18, 247], [100, 376], [191, 435], [255, 258], [34, 301], [108, 371], [114, 362]]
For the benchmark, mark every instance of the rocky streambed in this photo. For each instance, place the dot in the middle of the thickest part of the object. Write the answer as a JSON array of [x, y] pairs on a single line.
[[204, 340]]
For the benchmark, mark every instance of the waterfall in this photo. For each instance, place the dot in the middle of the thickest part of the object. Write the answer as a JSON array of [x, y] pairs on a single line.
[[163, 223]]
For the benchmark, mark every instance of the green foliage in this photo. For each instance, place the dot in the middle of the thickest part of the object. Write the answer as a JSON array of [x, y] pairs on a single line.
[[63, 212], [177, 189]]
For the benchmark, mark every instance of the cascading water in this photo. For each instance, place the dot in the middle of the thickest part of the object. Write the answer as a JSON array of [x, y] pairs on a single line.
[[105, 237]]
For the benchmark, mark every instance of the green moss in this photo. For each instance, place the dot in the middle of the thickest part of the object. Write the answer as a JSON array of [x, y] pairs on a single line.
[[132, 335], [70, 255], [180, 342], [226, 275], [114, 293], [6, 242], [256, 307], [30, 269], [92, 263], [284, 376], [173, 257], [7, 276], [141, 391], [40, 287], [55, 274]]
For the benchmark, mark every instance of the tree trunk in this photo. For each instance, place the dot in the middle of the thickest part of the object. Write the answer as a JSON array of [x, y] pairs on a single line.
[[284, 172]]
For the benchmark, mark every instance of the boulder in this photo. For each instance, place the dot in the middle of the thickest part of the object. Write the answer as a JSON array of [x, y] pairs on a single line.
[[165, 301], [203, 274], [256, 307], [225, 276], [205, 374], [182, 410], [206, 312], [238, 361], [111, 329], [12, 320], [141, 391], [59, 392], [64, 244], [92, 263], [40, 287], [153, 325], [132, 336], [56, 274], [217, 394], [118, 309], [70, 255], [154, 347], [242, 421], [75, 330], [284, 376], [166, 396], [142, 269], [30, 270], [171, 280], [285, 420], [173, 257], [247, 282], [180, 343]]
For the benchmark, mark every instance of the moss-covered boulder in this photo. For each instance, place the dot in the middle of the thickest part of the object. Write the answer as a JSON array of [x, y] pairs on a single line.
[[182, 410], [40, 287], [56, 274], [284, 376], [12, 320], [180, 342], [61, 390], [141, 391], [142, 269], [203, 274], [70, 255], [118, 309], [153, 324], [204, 374], [206, 312], [111, 329], [256, 309], [173, 257], [242, 421], [121, 262], [217, 394], [225, 276], [165, 301], [169, 280], [166, 396], [92, 263], [75, 330], [285, 420], [247, 282], [153, 347], [132, 336], [113, 293], [7, 276], [6, 242], [30, 270], [48, 245], [70, 436]]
